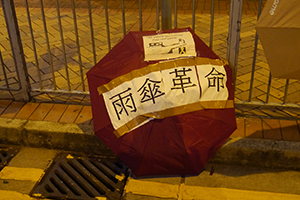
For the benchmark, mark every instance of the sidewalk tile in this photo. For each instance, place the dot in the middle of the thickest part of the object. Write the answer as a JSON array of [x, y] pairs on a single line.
[[12, 109], [253, 128], [4, 104], [41, 112], [55, 113], [27, 110], [85, 116], [271, 129], [71, 114], [240, 131], [290, 130]]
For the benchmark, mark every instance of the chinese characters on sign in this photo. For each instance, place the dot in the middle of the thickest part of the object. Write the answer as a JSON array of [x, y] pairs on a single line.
[[150, 90], [165, 89], [123, 103], [215, 79], [181, 80], [213, 83]]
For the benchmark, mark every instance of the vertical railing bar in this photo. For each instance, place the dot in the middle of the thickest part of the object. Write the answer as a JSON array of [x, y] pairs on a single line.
[[78, 44], [92, 31], [157, 14], [33, 45], [63, 43], [254, 54], [253, 67], [16, 47], [286, 90], [166, 14], [48, 44], [212, 17], [4, 71], [269, 88], [123, 17], [107, 25], [140, 15], [194, 12], [234, 31], [175, 13]]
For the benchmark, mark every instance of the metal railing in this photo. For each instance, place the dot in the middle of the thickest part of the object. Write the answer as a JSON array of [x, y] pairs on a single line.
[[64, 41], [17, 52], [251, 105], [8, 7]]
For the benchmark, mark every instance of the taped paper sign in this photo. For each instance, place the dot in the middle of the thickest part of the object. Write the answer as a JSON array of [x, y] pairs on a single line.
[[168, 46], [169, 89]]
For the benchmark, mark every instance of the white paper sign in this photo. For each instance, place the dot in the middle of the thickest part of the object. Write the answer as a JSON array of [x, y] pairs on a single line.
[[166, 89], [168, 45]]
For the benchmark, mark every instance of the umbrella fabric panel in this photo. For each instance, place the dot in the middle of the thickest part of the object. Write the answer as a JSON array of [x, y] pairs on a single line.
[[278, 28], [162, 151], [280, 14], [162, 142]]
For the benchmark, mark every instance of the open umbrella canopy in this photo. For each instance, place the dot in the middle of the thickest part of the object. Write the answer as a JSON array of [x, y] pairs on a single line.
[[162, 101], [278, 29]]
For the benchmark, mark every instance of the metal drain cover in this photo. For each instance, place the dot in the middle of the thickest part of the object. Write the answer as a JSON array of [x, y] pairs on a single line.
[[6, 154], [82, 178]]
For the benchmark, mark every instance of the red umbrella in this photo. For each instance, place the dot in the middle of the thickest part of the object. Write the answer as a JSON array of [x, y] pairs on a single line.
[[162, 102]]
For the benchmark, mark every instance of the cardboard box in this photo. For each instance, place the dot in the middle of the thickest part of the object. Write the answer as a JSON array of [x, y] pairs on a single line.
[[278, 29]]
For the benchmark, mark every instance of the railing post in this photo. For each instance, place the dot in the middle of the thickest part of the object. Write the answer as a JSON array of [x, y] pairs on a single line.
[[16, 46], [235, 20], [166, 14]]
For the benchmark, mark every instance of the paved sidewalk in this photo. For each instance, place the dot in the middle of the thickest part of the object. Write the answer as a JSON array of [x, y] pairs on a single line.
[[70, 127], [276, 157], [202, 28], [246, 165], [78, 113], [266, 142]]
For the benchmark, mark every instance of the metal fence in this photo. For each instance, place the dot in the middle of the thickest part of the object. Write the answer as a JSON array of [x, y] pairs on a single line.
[[49, 45]]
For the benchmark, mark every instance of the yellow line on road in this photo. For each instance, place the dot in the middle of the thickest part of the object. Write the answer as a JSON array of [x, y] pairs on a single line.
[[206, 193], [151, 188], [12, 195], [19, 173], [185, 192]]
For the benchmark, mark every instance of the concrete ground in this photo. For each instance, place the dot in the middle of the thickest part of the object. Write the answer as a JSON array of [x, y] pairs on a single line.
[[247, 168], [234, 182]]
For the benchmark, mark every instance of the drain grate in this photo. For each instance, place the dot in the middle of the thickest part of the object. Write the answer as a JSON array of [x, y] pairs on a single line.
[[82, 178], [6, 154]]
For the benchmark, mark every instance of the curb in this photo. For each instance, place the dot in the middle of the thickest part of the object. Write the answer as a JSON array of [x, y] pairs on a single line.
[[52, 135], [259, 153], [81, 138]]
